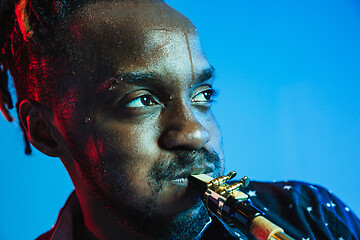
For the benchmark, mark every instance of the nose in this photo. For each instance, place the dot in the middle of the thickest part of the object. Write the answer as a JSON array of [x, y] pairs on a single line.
[[184, 131]]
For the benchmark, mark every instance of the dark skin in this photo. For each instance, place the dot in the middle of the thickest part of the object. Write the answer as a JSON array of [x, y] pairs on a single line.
[[138, 120]]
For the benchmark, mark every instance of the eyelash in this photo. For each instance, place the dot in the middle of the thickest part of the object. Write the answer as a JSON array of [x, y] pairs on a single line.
[[140, 98], [213, 94]]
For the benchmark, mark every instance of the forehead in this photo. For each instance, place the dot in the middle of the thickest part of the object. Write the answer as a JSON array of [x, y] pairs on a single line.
[[138, 37]]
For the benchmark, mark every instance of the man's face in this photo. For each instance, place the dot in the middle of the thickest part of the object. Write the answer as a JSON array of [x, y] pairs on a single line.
[[142, 121]]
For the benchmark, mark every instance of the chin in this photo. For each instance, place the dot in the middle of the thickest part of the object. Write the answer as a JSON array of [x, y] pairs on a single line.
[[177, 199]]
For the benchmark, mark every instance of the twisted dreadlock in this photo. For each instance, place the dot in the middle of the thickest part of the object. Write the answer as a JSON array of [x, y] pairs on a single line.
[[6, 26], [29, 50], [6, 20]]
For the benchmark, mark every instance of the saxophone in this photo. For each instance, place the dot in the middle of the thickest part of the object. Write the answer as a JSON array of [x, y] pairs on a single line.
[[235, 207]]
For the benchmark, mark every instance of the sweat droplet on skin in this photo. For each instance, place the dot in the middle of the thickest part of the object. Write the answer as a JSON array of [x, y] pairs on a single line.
[[114, 83], [87, 119]]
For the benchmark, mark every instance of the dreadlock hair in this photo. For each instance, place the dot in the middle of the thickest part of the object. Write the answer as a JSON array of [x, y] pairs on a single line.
[[30, 48]]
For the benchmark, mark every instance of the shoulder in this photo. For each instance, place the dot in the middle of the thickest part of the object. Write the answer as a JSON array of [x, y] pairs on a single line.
[[63, 228], [305, 210], [46, 236]]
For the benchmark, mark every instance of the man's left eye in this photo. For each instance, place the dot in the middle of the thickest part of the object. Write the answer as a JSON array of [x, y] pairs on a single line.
[[204, 96]]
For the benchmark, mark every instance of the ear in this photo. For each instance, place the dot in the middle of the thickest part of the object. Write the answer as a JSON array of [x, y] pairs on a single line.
[[39, 127]]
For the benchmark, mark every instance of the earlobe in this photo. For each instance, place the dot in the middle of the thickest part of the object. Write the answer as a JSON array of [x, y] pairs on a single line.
[[38, 124]]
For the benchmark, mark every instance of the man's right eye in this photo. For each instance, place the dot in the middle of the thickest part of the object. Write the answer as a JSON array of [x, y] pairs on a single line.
[[142, 101]]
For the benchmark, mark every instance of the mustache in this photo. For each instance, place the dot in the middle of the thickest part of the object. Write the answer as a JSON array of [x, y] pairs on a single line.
[[186, 163], [182, 165]]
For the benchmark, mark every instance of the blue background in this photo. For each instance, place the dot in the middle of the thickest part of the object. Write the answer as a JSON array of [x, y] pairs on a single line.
[[288, 74]]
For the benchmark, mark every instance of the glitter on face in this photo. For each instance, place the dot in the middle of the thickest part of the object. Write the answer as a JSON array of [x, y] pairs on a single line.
[[88, 119]]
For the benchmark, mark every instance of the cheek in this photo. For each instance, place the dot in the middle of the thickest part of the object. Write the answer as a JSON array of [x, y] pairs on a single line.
[[124, 153], [215, 142]]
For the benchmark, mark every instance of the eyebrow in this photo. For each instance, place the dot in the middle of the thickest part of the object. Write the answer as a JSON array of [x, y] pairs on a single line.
[[148, 78], [206, 74]]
